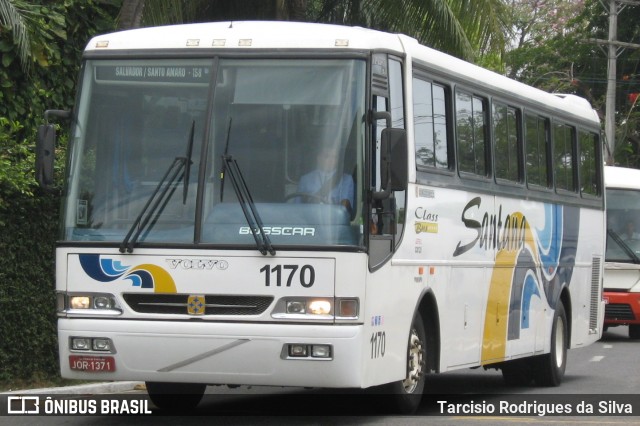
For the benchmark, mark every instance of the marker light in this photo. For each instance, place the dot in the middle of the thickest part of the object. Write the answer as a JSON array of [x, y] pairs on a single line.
[[348, 308]]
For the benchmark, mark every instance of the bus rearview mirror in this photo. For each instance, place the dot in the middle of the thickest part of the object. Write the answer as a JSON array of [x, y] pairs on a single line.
[[393, 167], [45, 154]]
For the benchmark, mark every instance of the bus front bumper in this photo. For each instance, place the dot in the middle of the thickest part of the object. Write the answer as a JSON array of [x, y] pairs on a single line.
[[622, 308], [212, 353]]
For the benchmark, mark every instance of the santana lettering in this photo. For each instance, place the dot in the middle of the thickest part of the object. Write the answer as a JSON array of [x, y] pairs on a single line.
[[494, 232]]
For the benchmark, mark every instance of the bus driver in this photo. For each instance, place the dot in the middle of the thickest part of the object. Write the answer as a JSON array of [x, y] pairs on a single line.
[[323, 184]]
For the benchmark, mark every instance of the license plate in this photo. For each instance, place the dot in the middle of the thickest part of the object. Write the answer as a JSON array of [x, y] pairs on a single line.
[[92, 364]]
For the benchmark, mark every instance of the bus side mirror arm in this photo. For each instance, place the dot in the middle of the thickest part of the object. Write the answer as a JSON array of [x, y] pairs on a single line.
[[45, 148]]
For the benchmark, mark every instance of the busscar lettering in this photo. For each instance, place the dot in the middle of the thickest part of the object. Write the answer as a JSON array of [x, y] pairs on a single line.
[[494, 232], [281, 230]]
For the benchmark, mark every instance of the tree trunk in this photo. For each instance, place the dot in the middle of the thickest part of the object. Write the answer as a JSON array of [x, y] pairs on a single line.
[[130, 14], [297, 10]]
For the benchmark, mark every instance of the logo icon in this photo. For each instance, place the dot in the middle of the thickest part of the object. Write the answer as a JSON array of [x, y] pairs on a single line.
[[106, 269], [196, 305], [23, 405]]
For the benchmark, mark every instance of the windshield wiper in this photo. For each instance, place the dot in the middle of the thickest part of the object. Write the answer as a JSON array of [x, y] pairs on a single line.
[[179, 169], [187, 164], [248, 206], [614, 235], [244, 198]]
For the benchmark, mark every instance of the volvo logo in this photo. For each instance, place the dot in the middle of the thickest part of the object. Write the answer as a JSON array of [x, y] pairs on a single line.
[[201, 264]]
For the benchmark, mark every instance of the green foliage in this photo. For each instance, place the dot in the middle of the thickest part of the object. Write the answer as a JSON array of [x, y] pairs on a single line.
[[28, 347], [556, 52], [58, 31], [16, 162]]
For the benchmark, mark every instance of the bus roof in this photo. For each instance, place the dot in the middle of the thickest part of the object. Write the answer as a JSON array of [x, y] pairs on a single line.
[[621, 177], [248, 35], [299, 35]]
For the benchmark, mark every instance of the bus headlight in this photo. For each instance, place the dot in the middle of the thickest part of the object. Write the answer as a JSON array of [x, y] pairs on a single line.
[[79, 302], [89, 303], [296, 307], [319, 307], [316, 308], [309, 306]]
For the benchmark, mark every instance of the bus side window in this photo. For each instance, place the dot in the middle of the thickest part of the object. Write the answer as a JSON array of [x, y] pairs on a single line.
[[537, 144], [507, 142], [471, 120], [388, 213], [588, 158], [429, 124], [563, 156]]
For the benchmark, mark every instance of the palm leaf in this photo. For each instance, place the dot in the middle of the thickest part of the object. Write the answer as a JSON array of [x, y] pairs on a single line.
[[12, 16]]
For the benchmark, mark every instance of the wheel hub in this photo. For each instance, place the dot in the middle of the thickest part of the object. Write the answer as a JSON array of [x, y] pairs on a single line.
[[415, 363]]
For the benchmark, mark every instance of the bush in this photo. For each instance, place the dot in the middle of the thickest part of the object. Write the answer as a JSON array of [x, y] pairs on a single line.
[[59, 30], [28, 348]]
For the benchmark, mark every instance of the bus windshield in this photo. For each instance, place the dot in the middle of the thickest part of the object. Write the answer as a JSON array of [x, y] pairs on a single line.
[[295, 129], [623, 225]]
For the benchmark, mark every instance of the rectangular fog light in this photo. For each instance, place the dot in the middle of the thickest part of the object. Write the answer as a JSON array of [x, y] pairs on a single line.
[[321, 351], [101, 344], [80, 343], [296, 350]]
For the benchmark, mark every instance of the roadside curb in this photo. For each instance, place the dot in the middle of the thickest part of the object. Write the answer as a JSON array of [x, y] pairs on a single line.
[[90, 388]]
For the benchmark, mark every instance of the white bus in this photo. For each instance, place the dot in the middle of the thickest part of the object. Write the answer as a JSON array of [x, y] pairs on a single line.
[[292, 204], [622, 259]]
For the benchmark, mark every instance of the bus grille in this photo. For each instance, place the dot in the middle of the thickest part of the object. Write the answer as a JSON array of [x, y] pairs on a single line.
[[618, 311], [595, 293], [214, 304]]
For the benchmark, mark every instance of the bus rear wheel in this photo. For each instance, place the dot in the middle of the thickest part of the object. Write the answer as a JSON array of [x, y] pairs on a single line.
[[175, 396], [634, 331], [549, 368], [406, 394]]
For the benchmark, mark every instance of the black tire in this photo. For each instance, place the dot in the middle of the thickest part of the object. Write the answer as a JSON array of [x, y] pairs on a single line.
[[175, 396], [634, 331], [517, 373], [405, 395], [549, 368]]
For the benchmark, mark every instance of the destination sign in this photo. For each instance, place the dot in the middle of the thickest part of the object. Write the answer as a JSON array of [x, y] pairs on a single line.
[[154, 73]]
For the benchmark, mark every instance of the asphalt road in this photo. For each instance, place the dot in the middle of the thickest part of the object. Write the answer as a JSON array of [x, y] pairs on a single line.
[[604, 377]]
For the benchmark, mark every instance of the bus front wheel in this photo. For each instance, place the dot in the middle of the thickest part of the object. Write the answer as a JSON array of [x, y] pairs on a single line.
[[550, 367], [175, 396], [406, 394]]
